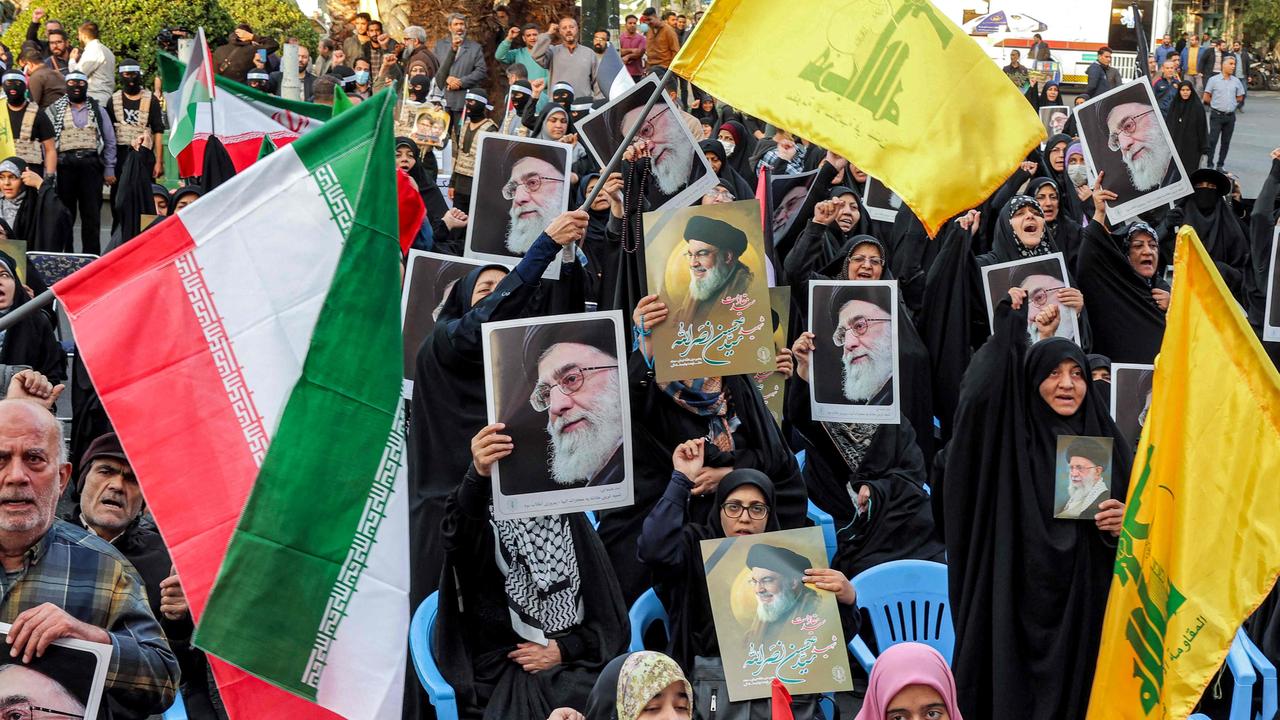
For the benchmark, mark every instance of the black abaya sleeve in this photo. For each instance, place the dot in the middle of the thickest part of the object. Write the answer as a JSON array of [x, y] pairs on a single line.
[[805, 256], [660, 546], [1126, 323], [1262, 224], [508, 299], [952, 319], [817, 192]]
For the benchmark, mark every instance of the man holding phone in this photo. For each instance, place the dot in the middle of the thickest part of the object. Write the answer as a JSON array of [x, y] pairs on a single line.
[[237, 57]]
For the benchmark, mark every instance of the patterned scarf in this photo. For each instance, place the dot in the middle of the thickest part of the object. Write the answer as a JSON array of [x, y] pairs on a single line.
[[705, 397], [540, 565], [58, 115], [852, 441]]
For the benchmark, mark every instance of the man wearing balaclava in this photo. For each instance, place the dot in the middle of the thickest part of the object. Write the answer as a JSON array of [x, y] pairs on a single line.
[[86, 144], [135, 112], [32, 131], [521, 97], [259, 80], [477, 120]]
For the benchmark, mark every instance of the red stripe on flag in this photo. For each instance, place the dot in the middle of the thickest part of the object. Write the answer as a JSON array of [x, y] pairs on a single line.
[[243, 153], [174, 416], [412, 210]]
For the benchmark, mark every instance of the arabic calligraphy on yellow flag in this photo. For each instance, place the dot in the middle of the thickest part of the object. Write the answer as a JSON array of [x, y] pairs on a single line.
[[876, 82], [1200, 546]]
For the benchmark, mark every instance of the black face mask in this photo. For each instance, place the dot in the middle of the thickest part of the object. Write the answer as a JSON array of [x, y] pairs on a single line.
[[132, 85], [1205, 198], [519, 100], [562, 98], [419, 92], [476, 111], [77, 93], [16, 92]]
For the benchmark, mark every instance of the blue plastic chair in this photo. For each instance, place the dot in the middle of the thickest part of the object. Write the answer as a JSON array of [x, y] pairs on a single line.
[[907, 601], [421, 629], [1244, 677], [824, 521], [1266, 672], [176, 711], [645, 612]]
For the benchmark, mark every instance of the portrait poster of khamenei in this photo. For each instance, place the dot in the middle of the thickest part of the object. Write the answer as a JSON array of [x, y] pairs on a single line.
[[854, 369], [1124, 137], [706, 263], [559, 385], [771, 624], [429, 280], [65, 681]]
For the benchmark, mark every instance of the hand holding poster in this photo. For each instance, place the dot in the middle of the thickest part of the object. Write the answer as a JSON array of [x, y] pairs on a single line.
[[1124, 137], [559, 385], [769, 622], [1045, 281], [521, 186], [853, 371], [64, 682], [681, 172], [706, 263]]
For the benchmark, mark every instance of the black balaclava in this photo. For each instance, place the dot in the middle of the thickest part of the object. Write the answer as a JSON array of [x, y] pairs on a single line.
[[77, 87], [130, 76], [580, 108], [259, 80], [520, 94], [1205, 199], [419, 87], [15, 88], [477, 105], [562, 95]]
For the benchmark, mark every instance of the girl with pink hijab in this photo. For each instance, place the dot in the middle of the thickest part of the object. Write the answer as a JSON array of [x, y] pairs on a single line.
[[910, 681]]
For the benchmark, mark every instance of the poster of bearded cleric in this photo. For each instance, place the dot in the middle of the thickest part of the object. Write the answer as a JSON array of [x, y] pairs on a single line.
[[1131, 398], [559, 385], [773, 385], [1123, 135], [65, 682], [429, 280], [521, 185], [787, 194], [853, 375], [707, 264], [1082, 476], [681, 172], [770, 624], [1045, 280]]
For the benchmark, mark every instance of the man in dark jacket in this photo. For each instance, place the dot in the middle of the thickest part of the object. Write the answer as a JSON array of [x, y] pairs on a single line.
[[1102, 77], [110, 505], [462, 67], [234, 60]]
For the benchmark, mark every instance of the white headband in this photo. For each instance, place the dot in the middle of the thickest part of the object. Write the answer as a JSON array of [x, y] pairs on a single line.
[[129, 68], [561, 86], [77, 76], [13, 76]]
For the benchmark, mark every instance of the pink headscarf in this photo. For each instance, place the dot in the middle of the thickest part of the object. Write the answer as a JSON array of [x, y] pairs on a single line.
[[903, 665]]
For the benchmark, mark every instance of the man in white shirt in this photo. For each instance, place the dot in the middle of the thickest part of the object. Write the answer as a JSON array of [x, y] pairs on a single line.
[[97, 62]]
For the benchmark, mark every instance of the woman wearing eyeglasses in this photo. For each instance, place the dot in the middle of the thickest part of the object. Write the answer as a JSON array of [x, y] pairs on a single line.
[[669, 547]]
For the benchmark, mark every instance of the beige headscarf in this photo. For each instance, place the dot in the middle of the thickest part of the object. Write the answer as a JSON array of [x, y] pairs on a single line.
[[644, 675]]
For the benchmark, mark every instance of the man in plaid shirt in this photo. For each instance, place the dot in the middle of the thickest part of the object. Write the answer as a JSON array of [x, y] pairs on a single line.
[[61, 581]]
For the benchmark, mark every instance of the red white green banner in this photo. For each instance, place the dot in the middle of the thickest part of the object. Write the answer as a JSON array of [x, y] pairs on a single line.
[[263, 418]]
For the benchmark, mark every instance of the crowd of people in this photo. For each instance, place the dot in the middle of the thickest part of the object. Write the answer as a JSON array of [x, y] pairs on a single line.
[[533, 619]]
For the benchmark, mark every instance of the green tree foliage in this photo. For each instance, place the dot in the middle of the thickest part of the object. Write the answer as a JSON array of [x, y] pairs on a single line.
[[1262, 21], [129, 27]]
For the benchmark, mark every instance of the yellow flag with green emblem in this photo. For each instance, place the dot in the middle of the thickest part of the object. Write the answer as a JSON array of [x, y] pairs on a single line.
[[1200, 546], [6, 139], [894, 86]]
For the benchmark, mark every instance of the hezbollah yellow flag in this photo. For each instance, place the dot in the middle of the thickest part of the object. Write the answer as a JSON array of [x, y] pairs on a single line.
[[892, 85], [6, 139], [1200, 546]]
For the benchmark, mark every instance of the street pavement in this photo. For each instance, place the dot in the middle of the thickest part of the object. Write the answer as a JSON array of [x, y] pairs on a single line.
[[1257, 134]]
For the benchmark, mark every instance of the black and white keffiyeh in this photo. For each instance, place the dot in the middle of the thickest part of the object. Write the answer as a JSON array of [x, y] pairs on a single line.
[[537, 557]]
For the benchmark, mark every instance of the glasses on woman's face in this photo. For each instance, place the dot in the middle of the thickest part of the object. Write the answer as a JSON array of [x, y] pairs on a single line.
[[872, 260], [1040, 296], [755, 511], [648, 129], [27, 711], [570, 382], [1127, 126], [859, 326], [532, 183]]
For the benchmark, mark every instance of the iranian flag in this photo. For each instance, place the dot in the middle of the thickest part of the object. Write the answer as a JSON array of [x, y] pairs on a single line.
[[248, 353], [196, 88]]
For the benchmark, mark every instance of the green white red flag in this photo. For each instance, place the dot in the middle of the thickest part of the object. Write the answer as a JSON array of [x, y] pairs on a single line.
[[263, 420]]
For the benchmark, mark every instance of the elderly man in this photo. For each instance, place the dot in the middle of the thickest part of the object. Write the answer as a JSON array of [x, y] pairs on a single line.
[[1133, 130], [21, 686], [462, 68], [669, 150], [1166, 86], [1087, 461], [714, 252], [777, 580], [864, 332], [578, 389], [61, 581], [535, 188], [559, 52]]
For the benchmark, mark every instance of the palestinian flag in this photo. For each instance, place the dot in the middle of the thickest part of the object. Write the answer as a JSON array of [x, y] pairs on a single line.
[[294, 115], [612, 75], [263, 418], [196, 88]]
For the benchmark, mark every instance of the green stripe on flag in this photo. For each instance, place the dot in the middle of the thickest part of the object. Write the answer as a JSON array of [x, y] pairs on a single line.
[[172, 69], [277, 583]]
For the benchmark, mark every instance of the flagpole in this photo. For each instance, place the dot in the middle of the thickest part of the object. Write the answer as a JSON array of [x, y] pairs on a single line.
[[28, 308], [616, 160]]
